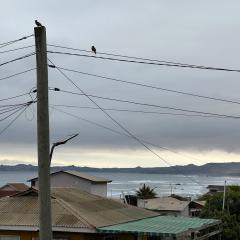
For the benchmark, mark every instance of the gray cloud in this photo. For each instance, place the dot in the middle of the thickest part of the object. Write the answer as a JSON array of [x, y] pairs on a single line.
[[198, 33]]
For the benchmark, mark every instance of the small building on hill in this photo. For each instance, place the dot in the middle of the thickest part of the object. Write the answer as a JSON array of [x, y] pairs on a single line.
[[78, 215], [10, 189], [215, 188], [92, 184]]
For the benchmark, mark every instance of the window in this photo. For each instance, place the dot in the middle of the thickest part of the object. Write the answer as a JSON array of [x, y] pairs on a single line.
[[9, 237]]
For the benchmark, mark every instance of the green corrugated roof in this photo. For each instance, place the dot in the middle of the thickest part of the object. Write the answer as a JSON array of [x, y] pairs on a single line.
[[160, 225]]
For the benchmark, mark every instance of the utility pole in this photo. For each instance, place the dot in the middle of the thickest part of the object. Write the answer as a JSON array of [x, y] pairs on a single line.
[[44, 197], [224, 195]]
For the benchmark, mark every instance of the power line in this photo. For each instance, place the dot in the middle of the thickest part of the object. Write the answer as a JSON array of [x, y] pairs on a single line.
[[130, 57], [136, 111], [110, 117], [148, 86], [152, 105], [9, 115], [16, 49], [6, 106], [147, 63], [17, 96], [123, 134], [9, 109], [11, 122], [14, 41], [17, 74], [17, 59]]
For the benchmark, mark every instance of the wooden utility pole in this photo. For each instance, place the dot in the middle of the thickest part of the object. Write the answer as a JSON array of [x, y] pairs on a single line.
[[45, 223]]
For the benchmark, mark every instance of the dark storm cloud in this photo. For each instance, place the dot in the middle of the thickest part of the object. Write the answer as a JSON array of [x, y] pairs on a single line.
[[198, 33]]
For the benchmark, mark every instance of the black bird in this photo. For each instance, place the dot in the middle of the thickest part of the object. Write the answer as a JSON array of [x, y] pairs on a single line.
[[94, 49], [38, 23]]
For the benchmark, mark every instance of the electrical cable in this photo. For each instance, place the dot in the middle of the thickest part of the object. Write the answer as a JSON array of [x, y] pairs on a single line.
[[14, 41], [110, 117], [123, 134], [6, 110], [147, 63], [17, 59], [148, 86], [17, 74], [137, 111], [16, 49], [152, 105], [9, 115], [17, 96], [12, 105], [126, 56], [14, 119]]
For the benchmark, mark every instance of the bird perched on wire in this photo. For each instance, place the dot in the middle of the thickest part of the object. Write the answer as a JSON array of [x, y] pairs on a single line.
[[94, 49], [38, 23]]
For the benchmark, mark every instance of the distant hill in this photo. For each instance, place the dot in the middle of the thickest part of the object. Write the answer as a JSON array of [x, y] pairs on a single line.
[[209, 169]]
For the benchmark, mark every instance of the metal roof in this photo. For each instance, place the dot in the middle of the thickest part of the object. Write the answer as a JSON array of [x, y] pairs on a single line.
[[165, 204], [15, 186], [87, 176], [23, 211], [166, 226], [99, 211], [202, 203], [71, 208], [80, 175]]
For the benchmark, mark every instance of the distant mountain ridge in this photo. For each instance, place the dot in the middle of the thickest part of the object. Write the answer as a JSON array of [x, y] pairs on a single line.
[[209, 169]]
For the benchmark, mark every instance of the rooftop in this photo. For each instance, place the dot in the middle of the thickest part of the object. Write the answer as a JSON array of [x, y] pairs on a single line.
[[216, 187], [71, 208], [165, 204], [166, 226], [80, 175], [19, 187]]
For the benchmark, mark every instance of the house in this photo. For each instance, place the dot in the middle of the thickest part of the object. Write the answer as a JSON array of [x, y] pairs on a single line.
[[12, 188], [83, 181], [166, 206], [195, 208], [215, 188], [78, 215]]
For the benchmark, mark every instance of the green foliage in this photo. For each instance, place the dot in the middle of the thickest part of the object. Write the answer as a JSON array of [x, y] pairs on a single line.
[[230, 216], [146, 192]]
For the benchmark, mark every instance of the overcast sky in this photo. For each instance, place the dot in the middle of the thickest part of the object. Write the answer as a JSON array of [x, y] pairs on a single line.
[[195, 32]]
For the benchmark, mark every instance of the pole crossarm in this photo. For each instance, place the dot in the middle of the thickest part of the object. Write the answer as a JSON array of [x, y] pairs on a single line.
[[60, 143]]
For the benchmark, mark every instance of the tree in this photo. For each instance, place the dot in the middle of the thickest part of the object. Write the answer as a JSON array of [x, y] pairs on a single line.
[[230, 216], [146, 192]]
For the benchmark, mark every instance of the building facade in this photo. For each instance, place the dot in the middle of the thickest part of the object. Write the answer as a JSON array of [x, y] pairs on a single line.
[[91, 184]]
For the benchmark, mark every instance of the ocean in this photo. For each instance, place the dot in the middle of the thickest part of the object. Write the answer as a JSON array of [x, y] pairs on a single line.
[[128, 183]]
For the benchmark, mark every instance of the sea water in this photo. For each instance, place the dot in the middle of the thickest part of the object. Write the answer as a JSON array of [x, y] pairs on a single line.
[[128, 183]]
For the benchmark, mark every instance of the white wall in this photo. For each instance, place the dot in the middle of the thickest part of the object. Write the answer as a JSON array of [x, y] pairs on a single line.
[[67, 180], [99, 189], [141, 203]]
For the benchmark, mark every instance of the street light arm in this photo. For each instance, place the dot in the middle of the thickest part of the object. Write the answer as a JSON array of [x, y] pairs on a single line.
[[60, 143]]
